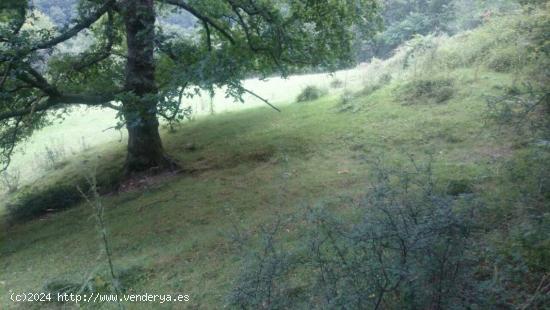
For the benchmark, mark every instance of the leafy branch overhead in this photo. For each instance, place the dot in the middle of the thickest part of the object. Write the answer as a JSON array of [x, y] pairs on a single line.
[[134, 59]]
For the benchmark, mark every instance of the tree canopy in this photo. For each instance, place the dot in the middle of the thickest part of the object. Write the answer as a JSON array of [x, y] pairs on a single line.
[[132, 64]]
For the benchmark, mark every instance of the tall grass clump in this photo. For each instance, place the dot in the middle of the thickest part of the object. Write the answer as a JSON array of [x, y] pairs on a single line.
[[310, 93], [29, 204], [36, 200], [426, 90]]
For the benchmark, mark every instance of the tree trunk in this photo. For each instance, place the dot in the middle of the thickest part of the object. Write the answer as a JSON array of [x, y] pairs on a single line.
[[145, 151]]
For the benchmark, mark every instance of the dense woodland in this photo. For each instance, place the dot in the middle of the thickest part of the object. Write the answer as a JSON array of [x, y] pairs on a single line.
[[400, 158]]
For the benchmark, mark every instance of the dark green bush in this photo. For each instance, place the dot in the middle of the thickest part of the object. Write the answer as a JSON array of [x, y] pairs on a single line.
[[526, 110], [32, 202], [459, 187], [310, 93], [413, 243], [262, 283], [426, 90], [503, 60], [407, 249], [30, 205]]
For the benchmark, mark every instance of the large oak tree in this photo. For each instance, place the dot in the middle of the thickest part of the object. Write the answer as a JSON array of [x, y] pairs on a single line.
[[141, 70]]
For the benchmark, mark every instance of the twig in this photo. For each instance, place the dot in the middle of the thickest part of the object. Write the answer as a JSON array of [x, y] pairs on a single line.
[[258, 96], [97, 205]]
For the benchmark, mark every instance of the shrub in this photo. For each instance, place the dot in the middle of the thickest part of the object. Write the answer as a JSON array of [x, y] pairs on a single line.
[[31, 202], [369, 89], [29, 205], [413, 244], [503, 60], [380, 82], [459, 187], [426, 90], [406, 248], [261, 284], [526, 110], [310, 93], [518, 251]]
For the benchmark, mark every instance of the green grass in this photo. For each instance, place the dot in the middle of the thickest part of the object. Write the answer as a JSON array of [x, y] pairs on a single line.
[[249, 166], [72, 137], [177, 230]]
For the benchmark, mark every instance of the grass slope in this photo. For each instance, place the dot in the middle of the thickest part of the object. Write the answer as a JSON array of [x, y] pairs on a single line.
[[70, 137], [173, 234]]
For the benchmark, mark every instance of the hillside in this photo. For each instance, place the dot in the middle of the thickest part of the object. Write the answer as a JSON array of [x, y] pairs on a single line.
[[431, 111]]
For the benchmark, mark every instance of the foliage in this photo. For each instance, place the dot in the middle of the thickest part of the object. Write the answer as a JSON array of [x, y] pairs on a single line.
[[233, 40], [527, 110], [30, 205], [459, 187], [407, 248], [32, 202], [426, 90], [10, 180], [516, 221], [260, 284], [411, 242], [499, 186], [310, 93], [61, 12], [405, 19]]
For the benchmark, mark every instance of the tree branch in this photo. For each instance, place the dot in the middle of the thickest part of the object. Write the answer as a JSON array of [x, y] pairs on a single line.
[[85, 99], [208, 39], [257, 96], [11, 143], [83, 24], [105, 51], [68, 34], [204, 18], [35, 79]]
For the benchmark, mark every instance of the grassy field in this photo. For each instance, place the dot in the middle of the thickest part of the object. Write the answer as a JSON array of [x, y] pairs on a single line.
[[70, 137], [172, 233]]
